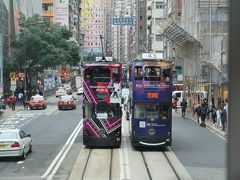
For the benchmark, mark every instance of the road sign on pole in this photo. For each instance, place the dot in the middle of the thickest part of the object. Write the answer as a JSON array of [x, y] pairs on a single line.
[[123, 21]]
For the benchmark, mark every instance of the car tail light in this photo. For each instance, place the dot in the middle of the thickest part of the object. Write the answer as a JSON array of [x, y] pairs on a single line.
[[16, 144]]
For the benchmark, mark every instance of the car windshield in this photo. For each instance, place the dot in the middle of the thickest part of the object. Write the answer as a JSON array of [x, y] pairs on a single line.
[[8, 135]]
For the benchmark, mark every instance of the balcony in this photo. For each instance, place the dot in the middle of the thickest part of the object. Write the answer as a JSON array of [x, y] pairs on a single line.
[[47, 1], [47, 12]]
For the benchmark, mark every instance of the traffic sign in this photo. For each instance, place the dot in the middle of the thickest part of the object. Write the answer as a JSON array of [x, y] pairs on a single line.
[[123, 21]]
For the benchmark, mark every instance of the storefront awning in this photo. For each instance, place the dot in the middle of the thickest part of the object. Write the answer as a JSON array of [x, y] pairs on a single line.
[[176, 34]]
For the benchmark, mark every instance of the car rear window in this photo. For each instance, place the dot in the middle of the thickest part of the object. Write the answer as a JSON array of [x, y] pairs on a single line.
[[8, 135], [66, 98], [37, 98]]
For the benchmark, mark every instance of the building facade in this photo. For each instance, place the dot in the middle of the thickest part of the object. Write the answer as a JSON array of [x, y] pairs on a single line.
[[196, 40], [154, 17], [93, 24], [4, 40]]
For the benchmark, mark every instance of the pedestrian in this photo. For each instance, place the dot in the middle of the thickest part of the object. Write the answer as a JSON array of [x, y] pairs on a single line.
[[183, 105], [175, 100], [218, 113], [25, 101], [20, 98], [8, 100], [223, 118], [198, 112], [214, 114], [13, 102], [203, 114]]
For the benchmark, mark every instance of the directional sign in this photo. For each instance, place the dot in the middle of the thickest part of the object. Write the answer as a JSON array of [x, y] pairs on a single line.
[[123, 21]]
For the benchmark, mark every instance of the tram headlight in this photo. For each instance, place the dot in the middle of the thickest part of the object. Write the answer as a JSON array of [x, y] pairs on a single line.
[[151, 132], [167, 140]]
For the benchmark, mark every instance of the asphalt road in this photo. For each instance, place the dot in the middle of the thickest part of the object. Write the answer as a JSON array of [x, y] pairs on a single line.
[[203, 153], [50, 129], [196, 151]]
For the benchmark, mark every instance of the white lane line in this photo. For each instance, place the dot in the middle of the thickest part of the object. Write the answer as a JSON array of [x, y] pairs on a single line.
[[61, 151], [123, 156], [64, 154]]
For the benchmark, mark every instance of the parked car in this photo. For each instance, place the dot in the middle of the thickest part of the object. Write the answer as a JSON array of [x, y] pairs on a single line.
[[80, 91], [37, 102], [60, 92], [15, 142], [67, 102]]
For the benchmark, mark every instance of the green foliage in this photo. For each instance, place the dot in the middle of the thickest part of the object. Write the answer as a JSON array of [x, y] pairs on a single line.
[[92, 56], [41, 45]]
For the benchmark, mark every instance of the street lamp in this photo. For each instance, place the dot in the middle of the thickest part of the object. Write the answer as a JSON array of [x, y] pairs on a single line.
[[103, 57]]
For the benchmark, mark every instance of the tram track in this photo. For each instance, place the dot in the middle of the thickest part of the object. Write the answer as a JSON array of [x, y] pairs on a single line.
[[87, 167], [154, 160]]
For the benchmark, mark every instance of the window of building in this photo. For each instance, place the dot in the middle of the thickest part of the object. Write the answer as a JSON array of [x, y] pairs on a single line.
[[47, 7], [149, 8], [159, 37], [159, 5], [140, 17], [158, 20]]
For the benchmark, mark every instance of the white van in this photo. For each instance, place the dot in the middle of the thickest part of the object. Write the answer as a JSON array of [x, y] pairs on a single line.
[[180, 95]]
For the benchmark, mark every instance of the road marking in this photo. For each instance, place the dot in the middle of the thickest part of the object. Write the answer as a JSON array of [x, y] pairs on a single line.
[[123, 157], [61, 154]]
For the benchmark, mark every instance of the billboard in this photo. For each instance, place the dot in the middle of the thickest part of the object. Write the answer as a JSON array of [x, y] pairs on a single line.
[[61, 12]]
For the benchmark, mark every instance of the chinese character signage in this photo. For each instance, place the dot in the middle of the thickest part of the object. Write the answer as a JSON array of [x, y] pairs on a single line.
[[123, 21]]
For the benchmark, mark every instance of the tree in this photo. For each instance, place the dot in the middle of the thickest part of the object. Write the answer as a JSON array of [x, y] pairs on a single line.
[[41, 45]]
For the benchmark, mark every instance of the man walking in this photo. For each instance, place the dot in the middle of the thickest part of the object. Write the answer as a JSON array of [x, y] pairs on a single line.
[[13, 102], [203, 114], [183, 105]]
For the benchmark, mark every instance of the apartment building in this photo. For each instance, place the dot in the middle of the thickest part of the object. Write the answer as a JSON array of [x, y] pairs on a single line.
[[4, 39], [93, 25], [155, 9]]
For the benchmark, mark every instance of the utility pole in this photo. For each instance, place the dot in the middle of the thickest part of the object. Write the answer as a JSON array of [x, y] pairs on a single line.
[[210, 54], [103, 56]]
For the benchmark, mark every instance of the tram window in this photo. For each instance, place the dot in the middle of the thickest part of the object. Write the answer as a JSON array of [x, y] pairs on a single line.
[[102, 107], [101, 74], [115, 110], [139, 112], [164, 112], [138, 73], [116, 75], [88, 110], [166, 74], [152, 74], [152, 110]]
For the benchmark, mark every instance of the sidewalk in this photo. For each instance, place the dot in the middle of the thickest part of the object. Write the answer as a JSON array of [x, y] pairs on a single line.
[[211, 126]]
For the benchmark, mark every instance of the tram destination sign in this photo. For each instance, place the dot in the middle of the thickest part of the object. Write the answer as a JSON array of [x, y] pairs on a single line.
[[123, 21]]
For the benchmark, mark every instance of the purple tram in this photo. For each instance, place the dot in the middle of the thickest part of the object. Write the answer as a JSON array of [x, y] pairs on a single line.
[[150, 112], [102, 112]]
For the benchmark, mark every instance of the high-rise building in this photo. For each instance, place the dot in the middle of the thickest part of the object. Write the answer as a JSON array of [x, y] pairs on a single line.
[[122, 34], [4, 39], [141, 26], [93, 24], [154, 17]]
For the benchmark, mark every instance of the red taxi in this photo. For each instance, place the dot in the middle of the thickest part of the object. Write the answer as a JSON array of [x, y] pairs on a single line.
[[37, 102], [67, 102]]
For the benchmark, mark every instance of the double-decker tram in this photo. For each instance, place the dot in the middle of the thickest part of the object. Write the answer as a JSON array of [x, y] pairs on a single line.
[[102, 113], [150, 112]]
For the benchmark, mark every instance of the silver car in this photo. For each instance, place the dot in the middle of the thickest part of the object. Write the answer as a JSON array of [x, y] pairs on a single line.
[[15, 142]]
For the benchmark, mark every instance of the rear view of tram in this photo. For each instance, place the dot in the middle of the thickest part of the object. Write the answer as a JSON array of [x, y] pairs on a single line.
[[150, 109], [102, 113]]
